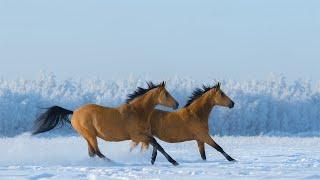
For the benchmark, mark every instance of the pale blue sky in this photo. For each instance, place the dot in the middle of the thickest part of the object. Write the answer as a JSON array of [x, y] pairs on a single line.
[[201, 39]]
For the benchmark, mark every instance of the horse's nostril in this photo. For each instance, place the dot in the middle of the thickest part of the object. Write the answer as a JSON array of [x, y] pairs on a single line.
[[231, 105]]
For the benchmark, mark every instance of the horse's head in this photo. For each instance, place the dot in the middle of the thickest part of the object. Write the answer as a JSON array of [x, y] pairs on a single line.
[[220, 98], [163, 97]]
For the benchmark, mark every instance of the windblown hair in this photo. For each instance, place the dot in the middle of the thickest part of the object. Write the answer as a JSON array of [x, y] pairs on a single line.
[[141, 91], [198, 92], [54, 116]]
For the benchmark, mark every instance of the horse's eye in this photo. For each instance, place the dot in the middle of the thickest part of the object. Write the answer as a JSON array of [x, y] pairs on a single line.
[[221, 93]]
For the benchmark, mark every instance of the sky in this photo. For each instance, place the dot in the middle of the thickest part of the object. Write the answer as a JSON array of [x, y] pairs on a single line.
[[245, 39]]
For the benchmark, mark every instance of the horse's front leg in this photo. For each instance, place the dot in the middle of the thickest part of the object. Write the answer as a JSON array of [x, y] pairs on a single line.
[[156, 146], [201, 149], [207, 139], [154, 155]]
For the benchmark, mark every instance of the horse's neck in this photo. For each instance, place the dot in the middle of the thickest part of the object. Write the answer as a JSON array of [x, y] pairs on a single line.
[[144, 104], [202, 108]]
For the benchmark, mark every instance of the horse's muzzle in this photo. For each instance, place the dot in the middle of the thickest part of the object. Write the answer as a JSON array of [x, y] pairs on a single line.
[[231, 105]]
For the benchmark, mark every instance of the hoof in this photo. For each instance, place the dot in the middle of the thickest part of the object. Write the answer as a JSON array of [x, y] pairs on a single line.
[[107, 159], [92, 155], [175, 163]]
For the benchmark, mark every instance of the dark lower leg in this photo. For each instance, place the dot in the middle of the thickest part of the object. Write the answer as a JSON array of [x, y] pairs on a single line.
[[90, 150], [213, 144], [94, 143], [229, 158], [202, 150], [155, 144], [100, 155], [154, 155], [92, 154]]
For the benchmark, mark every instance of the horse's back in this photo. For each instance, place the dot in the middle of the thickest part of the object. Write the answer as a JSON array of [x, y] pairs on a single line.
[[93, 111]]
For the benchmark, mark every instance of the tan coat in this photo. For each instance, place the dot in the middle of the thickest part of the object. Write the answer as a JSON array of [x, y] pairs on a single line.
[[191, 122]]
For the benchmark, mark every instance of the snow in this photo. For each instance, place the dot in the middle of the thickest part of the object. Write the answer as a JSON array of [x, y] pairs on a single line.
[[260, 157], [274, 106]]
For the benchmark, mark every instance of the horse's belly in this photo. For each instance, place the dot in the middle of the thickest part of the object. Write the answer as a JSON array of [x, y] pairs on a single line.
[[174, 135], [114, 137], [176, 139], [112, 130]]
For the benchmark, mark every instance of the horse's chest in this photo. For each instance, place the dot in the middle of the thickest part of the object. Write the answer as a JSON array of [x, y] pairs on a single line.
[[140, 125], [144, 127]]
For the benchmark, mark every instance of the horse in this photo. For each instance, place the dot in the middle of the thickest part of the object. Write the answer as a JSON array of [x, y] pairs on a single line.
[[191, 122], [126, 122]]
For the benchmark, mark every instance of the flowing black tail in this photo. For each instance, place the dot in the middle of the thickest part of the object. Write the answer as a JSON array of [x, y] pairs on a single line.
[[51, 118]]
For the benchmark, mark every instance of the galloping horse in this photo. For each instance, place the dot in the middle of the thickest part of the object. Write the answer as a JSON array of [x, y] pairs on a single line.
[[127, 122], [191, 122]]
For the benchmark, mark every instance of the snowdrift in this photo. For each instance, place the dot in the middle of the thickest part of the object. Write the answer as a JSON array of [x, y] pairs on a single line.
[[273, 106], [26, 157]]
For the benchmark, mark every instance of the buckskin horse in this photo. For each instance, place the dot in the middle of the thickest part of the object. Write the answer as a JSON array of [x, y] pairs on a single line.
[[126, 122], [191, 122]]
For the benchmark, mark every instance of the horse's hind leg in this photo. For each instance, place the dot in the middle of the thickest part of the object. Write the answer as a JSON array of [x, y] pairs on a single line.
[[91, 150], [202, 150], [94, 143], [89, 134]]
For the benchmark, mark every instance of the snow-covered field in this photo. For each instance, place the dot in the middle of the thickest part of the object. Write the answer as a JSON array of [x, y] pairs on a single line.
[[25, 157]]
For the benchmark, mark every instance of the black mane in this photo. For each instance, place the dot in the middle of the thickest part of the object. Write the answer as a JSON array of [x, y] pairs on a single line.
[[198, 92], [141, 91]]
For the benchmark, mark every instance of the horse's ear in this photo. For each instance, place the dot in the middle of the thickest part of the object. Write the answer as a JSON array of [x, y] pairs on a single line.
[[163, 84], [218, 85], [150, 84]]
